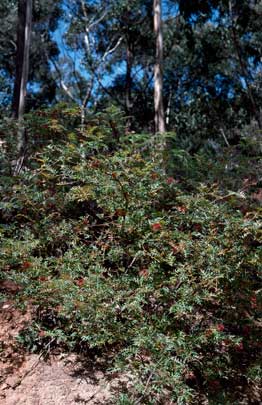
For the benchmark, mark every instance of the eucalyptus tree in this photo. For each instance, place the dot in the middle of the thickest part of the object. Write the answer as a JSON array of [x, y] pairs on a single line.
[[112, 43], [78, 69], [158, 71], [24, 27], [24, 60], [213, 68], [45, 17]]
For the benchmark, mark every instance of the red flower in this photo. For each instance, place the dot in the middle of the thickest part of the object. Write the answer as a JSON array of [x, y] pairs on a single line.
[[85, 221], [143, 273], [239, 347], [220, 327], [80, 282], [170, 180], [253, 301], [43, 278], [156, 227], [181, 209], [190, 376], [95, 164], [226, 342], [26, 265], [175, 249]]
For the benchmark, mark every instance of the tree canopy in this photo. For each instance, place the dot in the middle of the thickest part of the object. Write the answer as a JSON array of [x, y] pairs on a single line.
[[97, 53]]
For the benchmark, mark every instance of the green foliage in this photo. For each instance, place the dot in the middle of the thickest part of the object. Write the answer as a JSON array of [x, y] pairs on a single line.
[[117, 256], [61, 123]]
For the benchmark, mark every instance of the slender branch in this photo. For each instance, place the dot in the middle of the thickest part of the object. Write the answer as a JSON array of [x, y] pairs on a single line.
[[112, 49], [62, 83], [224, 136], [91, 25]]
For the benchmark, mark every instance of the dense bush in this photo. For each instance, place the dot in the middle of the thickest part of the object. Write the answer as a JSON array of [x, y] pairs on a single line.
[[163, 271]]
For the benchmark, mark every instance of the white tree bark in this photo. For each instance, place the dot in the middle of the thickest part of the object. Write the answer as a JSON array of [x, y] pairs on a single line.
[[21, 79], [158, 70]]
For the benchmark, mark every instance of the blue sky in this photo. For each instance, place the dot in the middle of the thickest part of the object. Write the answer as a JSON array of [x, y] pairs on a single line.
[[169, 8]]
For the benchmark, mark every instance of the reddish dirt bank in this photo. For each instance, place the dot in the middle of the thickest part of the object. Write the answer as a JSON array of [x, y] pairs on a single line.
[[63, 379]]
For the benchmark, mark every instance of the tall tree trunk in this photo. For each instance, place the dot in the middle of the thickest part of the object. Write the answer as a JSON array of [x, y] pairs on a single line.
[[128, 84], [21, 77], [158, 71], [129, 61]]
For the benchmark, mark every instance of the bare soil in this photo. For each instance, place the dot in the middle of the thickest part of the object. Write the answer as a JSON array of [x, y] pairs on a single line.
[[63, 379]]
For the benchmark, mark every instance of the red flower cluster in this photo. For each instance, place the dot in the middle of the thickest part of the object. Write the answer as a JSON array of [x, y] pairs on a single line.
[[143, 273], [253, 301], [156, 227], [80, 282], [170, 180], [181, 209], [220, 327], [43, 278], [26, 265], [239, 347]]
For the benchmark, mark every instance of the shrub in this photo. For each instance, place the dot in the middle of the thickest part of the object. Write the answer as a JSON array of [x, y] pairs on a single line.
[[162, 270]]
